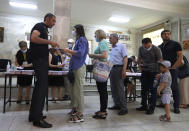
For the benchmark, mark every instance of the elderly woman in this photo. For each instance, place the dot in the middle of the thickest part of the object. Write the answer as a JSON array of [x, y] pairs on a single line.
[[77, 64], [101, 53], [23, 59]]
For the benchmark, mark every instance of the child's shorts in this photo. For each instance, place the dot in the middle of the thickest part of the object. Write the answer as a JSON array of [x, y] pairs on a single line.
[[166, 98]]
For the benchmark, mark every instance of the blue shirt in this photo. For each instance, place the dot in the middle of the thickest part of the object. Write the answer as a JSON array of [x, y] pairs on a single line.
[[81, 47], [118, 53]]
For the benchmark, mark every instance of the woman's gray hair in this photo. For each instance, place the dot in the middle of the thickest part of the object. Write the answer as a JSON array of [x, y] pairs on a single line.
[[114, 35]]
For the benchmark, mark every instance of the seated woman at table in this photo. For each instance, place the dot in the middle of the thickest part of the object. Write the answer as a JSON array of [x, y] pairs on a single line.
[[128, 82], [23, 59], [55, 63]]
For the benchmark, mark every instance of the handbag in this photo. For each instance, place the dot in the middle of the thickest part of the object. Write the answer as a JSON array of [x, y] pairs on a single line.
[[71, 76], [101, 70], [183, 71]]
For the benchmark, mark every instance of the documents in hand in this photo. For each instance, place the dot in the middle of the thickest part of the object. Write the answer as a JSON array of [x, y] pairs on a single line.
[[132, 74]]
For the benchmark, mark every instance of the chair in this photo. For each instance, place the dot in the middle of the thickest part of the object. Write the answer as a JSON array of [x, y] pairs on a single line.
[[3, 64]]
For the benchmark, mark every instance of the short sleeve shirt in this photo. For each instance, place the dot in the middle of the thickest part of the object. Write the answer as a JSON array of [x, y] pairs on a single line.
[[40, 50], [102, 46], [166, 78], [118, 53], [169, 51], [150, 58]]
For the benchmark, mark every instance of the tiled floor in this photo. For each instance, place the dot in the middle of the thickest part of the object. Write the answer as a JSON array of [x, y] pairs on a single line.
[[16, 119]]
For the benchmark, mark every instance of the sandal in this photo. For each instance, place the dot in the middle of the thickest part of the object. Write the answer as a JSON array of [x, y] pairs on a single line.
[[72, 112], [183, 106], [164, 118], [76, 118]]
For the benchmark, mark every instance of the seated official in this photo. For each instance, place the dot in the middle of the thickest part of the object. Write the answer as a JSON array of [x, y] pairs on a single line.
[[23, 59], [55, 63], [128, 82]]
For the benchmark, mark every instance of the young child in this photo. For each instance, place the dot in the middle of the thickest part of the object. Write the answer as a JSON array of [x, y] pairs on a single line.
[[165, 89]]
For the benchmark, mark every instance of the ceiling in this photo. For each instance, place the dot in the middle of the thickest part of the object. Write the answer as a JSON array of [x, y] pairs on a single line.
[[44, 6], [97, 12]]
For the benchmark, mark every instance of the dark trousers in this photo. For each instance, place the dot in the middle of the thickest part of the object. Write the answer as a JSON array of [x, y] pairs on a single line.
[[147, 80], [175, 89], [102, 89], [40, 90]]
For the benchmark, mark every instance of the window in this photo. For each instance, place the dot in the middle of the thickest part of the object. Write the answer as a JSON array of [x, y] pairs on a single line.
[[155, 35]]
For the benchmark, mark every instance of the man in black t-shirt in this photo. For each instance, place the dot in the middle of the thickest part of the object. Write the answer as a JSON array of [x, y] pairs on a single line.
[[172, 51], [39, 52]]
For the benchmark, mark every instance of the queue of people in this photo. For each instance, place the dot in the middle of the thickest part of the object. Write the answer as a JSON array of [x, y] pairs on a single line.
[[158, 66]]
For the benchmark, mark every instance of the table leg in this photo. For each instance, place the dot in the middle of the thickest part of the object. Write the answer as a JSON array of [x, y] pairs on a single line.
[[10, 87], [135, 89], [47, 100], [126, 93], [5, 87]]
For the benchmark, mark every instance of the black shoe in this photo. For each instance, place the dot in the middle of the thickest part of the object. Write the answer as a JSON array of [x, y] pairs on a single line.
[[150, 112], [176, 111], [65, 98], [160, 105], [142, 108], [100, 116], [43, 117], [42, 124], [123, 112], [114, 108], [19, 101], [27, 102]]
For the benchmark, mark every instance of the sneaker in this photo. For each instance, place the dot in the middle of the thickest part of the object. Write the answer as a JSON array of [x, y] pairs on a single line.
[[142, 108]]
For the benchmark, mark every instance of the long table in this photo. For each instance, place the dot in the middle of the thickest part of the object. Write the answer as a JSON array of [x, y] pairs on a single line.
[[13, 73], [10, 74]]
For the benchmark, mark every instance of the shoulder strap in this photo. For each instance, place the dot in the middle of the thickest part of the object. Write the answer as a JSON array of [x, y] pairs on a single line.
[[185, 60]]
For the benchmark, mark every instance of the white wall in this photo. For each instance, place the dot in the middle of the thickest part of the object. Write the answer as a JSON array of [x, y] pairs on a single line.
[[15, 27], [90, 33]]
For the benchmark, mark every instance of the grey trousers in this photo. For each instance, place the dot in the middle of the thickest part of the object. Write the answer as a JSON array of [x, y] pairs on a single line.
[[117, 87]]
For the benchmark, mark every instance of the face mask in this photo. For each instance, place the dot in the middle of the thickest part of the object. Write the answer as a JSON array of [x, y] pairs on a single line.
[[149, 48], [73, 33], [97, 40], [24, 51], [69, 45]]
